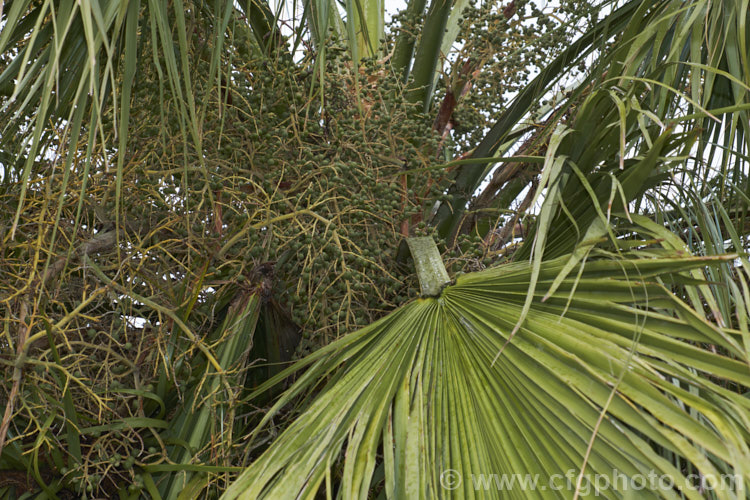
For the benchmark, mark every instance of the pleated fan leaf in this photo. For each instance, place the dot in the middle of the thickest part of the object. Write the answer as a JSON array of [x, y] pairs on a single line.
[[440, 387]]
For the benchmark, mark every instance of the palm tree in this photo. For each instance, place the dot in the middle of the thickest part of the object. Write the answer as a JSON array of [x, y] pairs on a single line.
[[195, 194]]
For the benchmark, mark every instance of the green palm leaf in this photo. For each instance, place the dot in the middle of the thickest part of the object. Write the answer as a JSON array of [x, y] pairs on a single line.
[[601, 375]]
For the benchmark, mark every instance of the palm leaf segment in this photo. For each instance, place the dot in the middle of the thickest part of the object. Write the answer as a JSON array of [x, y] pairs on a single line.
[[423, 393]]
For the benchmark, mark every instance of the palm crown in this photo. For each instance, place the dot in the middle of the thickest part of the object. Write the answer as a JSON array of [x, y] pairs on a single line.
[[196, 193]]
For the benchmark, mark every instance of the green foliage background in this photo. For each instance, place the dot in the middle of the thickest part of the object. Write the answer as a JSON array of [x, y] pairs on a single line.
[[196, 194]]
